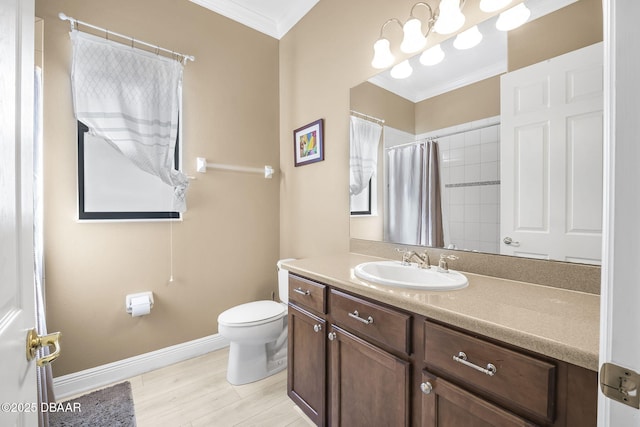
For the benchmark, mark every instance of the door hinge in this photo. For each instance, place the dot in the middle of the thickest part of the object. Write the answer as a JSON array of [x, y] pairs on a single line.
[[620, 384]]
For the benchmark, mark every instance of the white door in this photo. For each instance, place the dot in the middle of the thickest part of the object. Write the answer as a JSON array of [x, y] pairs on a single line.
[[619, 315], [17, 376], [551, 158]]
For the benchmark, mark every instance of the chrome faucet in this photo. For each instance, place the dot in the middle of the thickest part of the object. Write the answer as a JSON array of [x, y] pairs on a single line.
[[443, 266], [422, 259]]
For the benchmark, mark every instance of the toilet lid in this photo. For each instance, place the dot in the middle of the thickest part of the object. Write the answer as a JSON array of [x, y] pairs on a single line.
[[251, 312]]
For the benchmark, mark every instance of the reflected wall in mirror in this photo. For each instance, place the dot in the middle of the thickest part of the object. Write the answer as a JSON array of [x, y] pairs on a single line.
[[547, 147]]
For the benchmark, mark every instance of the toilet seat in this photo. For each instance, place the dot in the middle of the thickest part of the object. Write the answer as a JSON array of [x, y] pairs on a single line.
[[252, 313]]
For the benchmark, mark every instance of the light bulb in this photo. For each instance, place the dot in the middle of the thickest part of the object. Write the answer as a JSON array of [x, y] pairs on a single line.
[[493, 5], [451, 18], [413, 40], [382, 56], [402, 70], [513, 18], [468, 38], [432, 56]]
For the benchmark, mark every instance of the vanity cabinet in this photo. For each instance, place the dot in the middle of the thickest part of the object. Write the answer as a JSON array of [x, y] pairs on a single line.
[[445, 404], [339, 374], [354, 361], [306, 379], [368, 386], [307, 337]]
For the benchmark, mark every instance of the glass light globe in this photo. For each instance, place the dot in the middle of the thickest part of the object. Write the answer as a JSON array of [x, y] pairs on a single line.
[[382, 56], [451, 18], [413, 39], [432, 56], [402, 70], [468, 38], [513, 18]]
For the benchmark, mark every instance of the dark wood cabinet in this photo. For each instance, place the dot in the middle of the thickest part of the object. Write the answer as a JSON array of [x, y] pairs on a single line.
[[354, 361], [447, 405], [306, 380], [368, 386]]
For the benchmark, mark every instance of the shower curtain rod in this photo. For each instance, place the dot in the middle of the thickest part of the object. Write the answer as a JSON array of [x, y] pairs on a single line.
[[367, 117], [75, 22], [444, 135]]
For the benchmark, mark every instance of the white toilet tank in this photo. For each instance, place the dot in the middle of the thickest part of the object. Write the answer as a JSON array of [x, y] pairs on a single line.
[[283, 281]]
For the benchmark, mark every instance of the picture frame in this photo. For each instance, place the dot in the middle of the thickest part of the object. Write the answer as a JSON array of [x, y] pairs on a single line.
[[308, 143]]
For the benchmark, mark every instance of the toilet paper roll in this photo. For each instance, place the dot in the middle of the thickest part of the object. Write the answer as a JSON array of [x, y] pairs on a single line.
[[140, 306]]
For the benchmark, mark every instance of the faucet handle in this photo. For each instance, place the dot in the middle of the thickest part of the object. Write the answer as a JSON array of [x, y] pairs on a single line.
[[406, 254], [443, 266]]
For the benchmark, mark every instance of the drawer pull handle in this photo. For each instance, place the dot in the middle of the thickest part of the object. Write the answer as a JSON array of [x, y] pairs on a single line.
[[317, 327], [301, 291], [332, 336], [489, 370], [356, 315]]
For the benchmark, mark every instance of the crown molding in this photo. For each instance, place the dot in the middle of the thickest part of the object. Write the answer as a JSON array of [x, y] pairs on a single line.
[[275, 26]]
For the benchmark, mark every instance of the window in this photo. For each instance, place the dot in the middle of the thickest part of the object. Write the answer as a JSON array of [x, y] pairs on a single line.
[[111, 187]]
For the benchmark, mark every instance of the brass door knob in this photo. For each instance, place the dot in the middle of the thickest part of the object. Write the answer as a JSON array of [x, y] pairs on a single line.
[[35, 341]]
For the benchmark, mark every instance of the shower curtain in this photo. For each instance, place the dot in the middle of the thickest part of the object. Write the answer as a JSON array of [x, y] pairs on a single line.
[[43, 373], [363, 146], [414, 200], [132, 99]]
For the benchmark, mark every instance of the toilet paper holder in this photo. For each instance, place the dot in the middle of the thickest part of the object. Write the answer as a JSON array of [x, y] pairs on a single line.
[[147, 296]]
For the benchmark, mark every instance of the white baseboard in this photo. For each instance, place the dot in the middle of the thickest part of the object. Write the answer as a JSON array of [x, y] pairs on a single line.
[[89, 379]]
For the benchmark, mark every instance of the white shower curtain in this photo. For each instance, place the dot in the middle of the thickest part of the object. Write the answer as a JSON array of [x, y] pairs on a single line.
[[363, 161], [132, 99], [413, 199], [43, 373]]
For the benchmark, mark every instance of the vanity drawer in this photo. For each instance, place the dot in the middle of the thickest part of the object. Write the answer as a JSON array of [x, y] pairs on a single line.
[[520, 381], [371, 320], [308, 294]]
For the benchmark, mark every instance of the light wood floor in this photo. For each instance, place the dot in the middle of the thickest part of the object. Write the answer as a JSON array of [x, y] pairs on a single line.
[[196, 393]]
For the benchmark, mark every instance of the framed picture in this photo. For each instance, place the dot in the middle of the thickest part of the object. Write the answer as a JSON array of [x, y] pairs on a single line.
[[308, 143]]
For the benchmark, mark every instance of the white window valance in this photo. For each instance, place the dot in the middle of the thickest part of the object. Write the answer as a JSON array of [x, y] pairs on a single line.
[[132, 99], [363, 161]]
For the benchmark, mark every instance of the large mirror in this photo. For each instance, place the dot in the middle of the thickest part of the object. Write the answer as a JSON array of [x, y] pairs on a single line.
[[508, 171]]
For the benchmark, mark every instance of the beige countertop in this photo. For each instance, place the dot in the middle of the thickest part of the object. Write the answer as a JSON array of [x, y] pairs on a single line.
[[555, 322]]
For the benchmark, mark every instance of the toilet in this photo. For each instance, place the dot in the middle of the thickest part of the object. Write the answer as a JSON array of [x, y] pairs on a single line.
[[257, 334]]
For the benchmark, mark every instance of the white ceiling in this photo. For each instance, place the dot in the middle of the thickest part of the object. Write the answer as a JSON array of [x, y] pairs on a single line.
[[272, 17]]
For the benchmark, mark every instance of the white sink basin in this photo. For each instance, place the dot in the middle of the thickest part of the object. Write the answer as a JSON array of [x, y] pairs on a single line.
[[393, 273]]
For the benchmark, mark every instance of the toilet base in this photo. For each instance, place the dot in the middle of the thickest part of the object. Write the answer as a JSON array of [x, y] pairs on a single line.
[[253, 362]]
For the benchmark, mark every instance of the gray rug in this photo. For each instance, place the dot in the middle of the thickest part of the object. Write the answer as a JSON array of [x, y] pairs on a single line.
[[109, 407]]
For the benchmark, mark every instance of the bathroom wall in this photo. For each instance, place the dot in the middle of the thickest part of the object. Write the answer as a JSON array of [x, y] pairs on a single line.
[[324, 56], [226, 247]]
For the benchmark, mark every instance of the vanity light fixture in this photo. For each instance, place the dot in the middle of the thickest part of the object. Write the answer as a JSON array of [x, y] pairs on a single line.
[[382, 56], [432, 56], [513, 18], [468, 38], [402, 70], [493, 5], [450, 17], [413, 39]]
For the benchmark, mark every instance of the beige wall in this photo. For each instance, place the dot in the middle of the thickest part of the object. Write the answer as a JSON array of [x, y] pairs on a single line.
[[226, 248], [466, 104], [396, 111]]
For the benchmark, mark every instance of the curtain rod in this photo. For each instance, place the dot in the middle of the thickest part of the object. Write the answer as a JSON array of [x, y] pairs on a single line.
[[75, 22], [366, 116], [444, 135]]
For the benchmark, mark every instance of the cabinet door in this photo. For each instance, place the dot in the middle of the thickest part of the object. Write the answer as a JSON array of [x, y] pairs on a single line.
[[306, 382], [446, 405], [369, 387]]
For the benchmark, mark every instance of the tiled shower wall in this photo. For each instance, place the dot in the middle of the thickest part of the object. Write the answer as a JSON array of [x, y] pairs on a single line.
[[470, 172]]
